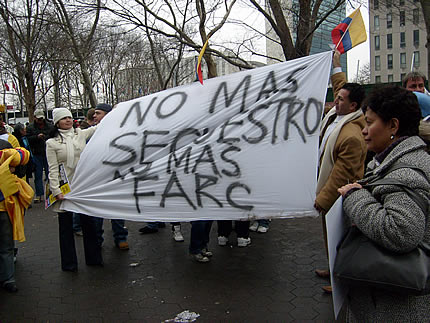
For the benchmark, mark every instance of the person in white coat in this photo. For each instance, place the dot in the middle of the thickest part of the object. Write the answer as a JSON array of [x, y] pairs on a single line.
[[63, 150]]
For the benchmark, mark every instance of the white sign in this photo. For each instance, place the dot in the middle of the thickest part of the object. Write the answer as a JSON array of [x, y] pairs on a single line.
[[240, 146], [336, 228]]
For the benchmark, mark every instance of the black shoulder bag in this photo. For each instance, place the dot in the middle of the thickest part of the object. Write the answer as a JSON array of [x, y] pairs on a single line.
[[362, 262]]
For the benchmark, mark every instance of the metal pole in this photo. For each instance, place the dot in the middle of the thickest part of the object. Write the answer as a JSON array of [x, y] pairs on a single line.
[[412, 62], [358, 67]]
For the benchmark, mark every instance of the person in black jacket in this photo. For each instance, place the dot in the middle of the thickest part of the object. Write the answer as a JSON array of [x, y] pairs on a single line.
[[37, 133]]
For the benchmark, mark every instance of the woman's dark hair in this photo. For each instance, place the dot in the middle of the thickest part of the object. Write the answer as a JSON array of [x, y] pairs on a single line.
[[54, 133], [17, 130], [393, 101]]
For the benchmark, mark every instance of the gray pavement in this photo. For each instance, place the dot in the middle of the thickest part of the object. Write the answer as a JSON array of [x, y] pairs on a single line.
[[271, 280]]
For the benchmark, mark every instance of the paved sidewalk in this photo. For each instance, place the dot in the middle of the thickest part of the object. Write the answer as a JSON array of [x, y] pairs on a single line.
[[272, 280]]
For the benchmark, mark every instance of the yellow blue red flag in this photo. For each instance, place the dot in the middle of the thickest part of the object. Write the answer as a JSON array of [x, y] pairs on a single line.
[[349, 33], [199, 62]]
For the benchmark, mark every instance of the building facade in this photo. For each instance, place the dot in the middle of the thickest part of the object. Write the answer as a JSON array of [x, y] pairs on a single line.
[[397, 39]]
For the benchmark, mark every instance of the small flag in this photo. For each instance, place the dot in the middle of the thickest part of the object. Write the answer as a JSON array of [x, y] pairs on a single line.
[[349, 33], [6, 86], [13, 85], [199, 62]]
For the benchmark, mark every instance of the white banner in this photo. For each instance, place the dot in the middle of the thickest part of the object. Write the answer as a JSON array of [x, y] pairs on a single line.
[[241, 146]]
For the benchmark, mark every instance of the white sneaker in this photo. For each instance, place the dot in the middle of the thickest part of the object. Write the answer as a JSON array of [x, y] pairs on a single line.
[[243, 242], [222, 241], [200, 258], [254, 226], [177, 234], [262, 229]]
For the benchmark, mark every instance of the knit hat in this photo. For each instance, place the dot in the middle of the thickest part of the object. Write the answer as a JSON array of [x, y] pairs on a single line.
[[104, 107], [39, 114], [60, 113]]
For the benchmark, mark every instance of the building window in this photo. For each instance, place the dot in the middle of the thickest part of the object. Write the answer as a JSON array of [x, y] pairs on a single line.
[[402, 39], [377, 43], [377, 63], [416, 16], [378, 79], [403, 60], [390, 78], [389, 41], [375, 4], [402, 18], [376, 22], [389, 3], [390, 61], [416, 38], [389, 20], [401, 2], [417, 59]]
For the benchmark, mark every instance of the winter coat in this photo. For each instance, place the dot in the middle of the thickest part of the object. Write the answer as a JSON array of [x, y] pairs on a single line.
[[37, 144], [56, 153], [388, 216], [349, 154]]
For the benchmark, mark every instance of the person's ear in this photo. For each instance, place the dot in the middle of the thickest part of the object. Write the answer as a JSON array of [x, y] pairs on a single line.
[[394, 125]]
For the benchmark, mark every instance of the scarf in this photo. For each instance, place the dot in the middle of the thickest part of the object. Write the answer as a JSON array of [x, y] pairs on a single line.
[[327, 160], [68, 136], [17, 193]]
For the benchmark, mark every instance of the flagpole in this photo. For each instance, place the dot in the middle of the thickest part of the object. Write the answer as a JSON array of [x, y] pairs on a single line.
[[347, 28], [358, 67], [412, 62]]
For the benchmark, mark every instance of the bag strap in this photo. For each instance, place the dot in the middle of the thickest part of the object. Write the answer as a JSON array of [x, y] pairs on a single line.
[[382, 180], [418, 199]]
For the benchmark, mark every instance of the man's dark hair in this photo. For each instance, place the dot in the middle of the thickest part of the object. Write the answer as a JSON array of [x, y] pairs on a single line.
[[356, 93], [412, 76], [393, 101]]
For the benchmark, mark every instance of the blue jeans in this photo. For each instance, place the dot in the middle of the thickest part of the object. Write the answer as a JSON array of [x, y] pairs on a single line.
[[77, 222], [7, 267], [120, 233], [40, 163], [199, 236], [264, 223], [153, 225]]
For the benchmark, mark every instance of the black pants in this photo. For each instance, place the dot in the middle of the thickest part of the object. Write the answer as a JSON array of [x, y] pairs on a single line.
[[226, 226], [93, 254]]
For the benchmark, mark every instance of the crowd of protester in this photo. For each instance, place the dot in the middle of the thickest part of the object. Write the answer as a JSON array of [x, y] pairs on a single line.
[[360, 137]]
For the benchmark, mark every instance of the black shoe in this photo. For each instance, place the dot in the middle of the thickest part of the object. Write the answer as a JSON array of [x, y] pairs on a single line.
[[146, 230], [10, 287], [73, 270], [100, 264]]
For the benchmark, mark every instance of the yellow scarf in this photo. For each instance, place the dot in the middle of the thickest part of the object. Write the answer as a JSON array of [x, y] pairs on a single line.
[[17, 193]]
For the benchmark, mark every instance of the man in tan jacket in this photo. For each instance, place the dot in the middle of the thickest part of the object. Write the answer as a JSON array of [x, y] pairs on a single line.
[[342, 147]]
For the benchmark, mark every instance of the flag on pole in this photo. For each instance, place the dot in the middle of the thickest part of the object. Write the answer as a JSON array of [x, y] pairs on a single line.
[[13, 85], [6, 86], [349, 33], [199, 62]]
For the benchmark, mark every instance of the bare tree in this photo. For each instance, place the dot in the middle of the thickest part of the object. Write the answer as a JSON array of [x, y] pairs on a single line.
[[178, 20], [24, 25], [82, 43], [363, 76], [308, 14]]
